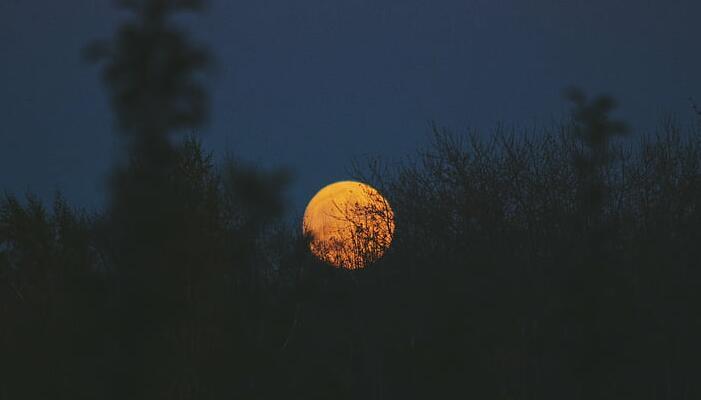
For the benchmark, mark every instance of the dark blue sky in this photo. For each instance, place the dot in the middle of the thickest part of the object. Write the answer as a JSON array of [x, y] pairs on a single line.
[[311, 85]]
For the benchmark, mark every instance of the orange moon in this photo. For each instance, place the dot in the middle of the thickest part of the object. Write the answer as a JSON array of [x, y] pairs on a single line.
[[350, 224]]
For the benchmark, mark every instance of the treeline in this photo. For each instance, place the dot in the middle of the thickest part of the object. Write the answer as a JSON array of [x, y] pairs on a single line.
[[560, 263], [504, 280], [522, 275]]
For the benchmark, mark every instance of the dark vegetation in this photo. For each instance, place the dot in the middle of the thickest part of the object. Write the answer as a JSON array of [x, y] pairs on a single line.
[[529, 265]]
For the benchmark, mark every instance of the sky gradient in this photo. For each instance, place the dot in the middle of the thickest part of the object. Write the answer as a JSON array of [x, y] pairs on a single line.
[[313, 85]]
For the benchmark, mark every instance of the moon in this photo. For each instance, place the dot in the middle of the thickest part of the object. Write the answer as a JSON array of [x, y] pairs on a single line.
[[349, 224]]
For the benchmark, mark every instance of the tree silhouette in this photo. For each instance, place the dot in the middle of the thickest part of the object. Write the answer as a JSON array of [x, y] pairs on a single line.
[[181, 234]]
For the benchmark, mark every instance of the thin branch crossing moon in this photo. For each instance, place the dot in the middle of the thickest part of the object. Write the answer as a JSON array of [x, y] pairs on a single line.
[[350, 224]]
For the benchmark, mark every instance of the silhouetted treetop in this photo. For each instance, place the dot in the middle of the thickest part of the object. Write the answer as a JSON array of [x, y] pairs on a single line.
[[150, 68], [595, 127]]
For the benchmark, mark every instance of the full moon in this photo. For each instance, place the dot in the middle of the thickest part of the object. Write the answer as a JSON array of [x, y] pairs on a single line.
[[350, 224]]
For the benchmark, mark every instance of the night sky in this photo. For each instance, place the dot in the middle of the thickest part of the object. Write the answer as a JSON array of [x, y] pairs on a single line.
[[312, 85]]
